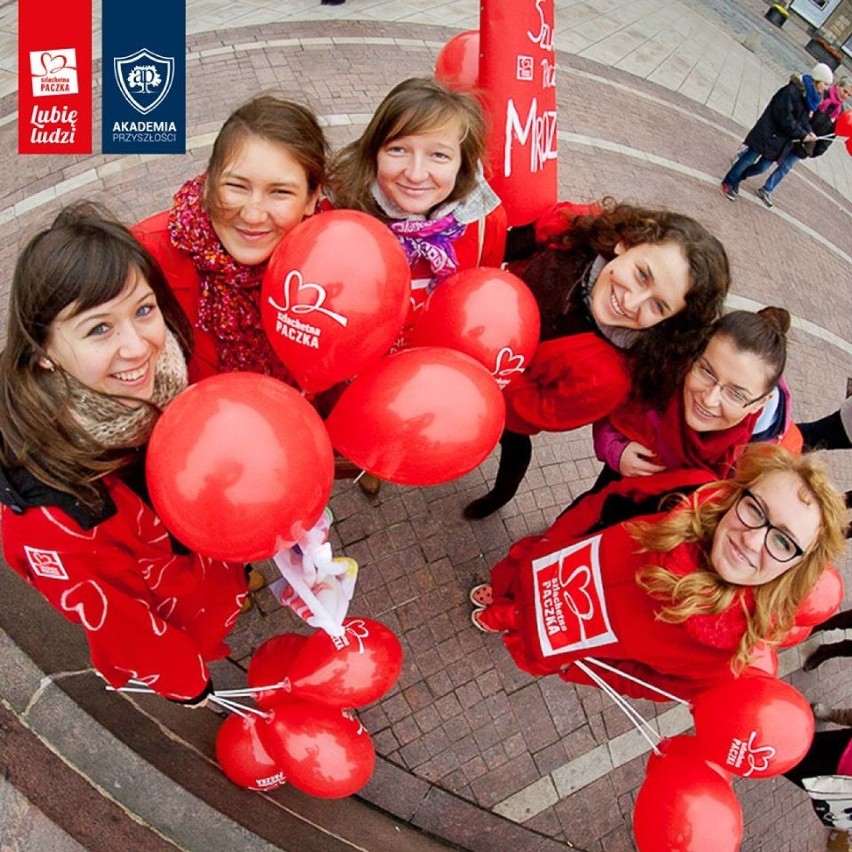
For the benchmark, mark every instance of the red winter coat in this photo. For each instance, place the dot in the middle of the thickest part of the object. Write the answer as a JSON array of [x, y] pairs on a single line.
[[148, 613], [565, 596]]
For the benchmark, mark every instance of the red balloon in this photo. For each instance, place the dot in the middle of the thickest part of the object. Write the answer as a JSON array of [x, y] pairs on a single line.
[[848, 144], [335, 295], [457, 65], [685, 805], [764, 659], [756, 726], [797, 633], [824, 599], [682, 745], [419, 417], [843, 126], [244, 758], [271, 663], [349, 671], [323, 751], [486, 313], [239, 466]]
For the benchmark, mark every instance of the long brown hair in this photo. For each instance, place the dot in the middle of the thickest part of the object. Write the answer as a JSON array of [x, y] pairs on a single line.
[[83, 259], [704, 591], [662, 354], [414, 106]]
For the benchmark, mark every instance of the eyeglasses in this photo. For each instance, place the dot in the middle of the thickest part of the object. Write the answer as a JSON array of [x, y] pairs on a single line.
[[702, 371], [778, 544]]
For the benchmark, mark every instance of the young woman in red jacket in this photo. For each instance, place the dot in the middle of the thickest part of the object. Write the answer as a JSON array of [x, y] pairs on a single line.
[[627, 296], [418, 167], [262, 179], [733, 394], [96, 346], [680, 599]]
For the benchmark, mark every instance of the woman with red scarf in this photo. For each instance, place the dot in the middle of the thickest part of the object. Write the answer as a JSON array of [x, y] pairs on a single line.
[[680, 600], [262, 179], [732, 394]]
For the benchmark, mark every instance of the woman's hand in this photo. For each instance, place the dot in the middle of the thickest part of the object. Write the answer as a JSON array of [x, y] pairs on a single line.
[[636, 461]]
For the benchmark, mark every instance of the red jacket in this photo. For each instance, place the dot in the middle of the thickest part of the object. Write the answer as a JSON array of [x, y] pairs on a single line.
[[148, 613], [182, 276], [564, 596]]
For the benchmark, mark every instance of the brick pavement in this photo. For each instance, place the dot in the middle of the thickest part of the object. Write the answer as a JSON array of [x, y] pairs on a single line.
[[463, 720]]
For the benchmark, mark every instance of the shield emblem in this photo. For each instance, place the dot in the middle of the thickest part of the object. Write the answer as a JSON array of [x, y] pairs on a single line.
[[144, 78]]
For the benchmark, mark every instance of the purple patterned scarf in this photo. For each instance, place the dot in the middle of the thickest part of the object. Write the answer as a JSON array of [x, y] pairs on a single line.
[[432, 241]]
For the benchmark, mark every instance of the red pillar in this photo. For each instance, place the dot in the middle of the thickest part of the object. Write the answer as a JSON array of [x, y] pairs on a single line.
[[517, 74]]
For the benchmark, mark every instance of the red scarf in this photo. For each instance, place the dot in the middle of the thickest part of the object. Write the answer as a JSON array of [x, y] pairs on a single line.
[[676, 444], [229, 306]]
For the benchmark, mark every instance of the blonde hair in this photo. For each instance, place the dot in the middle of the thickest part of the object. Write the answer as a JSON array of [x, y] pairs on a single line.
[[704, 592]]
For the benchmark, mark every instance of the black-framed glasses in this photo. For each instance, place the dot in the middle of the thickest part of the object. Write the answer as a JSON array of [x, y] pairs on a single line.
[[778, 544], [734, 396]]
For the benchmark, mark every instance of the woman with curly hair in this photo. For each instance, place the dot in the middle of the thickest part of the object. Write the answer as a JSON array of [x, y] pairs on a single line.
[[679, 599], [627, 296]]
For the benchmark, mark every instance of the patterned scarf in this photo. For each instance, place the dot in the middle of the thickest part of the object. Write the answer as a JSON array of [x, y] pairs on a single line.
[[115, 424], [432, 241], [229, 305]]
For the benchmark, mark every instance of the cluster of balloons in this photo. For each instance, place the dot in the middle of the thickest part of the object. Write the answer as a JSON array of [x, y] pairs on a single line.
[[756, 727], [309, 736], [335, 297]]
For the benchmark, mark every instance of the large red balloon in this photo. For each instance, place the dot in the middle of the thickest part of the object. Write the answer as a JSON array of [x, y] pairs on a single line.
[[271, 663], [322, 751], [486, 313], [349, 671], [243, 756], [335, 295], [419, 417], [843, 127], [457, 65], [239, 466], [755, 726], [824, 599], [685, 805]]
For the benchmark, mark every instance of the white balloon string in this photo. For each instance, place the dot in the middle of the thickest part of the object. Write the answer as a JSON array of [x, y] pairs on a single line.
[[637, 680], [235, 707], [143, 690], [250, 690], [632, 714]]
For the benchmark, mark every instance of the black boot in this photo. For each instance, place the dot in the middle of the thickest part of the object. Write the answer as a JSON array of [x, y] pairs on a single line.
[[825, 434], [826, 652], [515, 456]]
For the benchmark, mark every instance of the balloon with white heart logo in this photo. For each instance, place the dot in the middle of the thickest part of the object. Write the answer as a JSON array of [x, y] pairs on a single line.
[[755, 726], [334, 296], [489, 314]]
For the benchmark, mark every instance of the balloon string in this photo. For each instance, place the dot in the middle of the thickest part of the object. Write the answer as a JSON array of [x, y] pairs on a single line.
[[637, 680], [250, 690], [632, 714], [144, 691], [235, 707]]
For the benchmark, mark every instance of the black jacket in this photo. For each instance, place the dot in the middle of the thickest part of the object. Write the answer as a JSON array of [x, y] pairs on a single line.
[[784, 120], [822, 125]]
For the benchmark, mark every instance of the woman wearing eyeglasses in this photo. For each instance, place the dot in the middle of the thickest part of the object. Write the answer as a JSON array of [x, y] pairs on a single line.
[[732, 394], [677, 599]]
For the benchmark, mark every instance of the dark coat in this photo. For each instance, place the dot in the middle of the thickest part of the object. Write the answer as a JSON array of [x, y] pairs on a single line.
[[783, 120]]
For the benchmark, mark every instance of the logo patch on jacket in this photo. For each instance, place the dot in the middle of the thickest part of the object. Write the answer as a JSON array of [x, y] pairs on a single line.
[[46, 563]]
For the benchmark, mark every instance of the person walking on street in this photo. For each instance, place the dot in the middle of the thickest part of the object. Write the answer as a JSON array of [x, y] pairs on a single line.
[[784, 120]]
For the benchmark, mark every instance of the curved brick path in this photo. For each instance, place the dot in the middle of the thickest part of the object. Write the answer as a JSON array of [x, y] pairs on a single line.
[[463, 721]]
